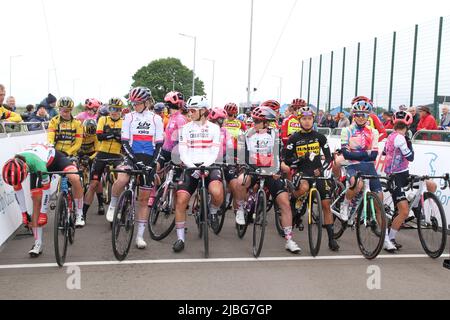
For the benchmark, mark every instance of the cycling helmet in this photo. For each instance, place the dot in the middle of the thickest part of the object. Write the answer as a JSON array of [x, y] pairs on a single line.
[[264, 114], [362, 106], [298, 103], [231, 109], [272, 104], [403, 116], [116, 102], [159, 107], [174, 99], [65, 102], [217, 113], [241, 117], [306, 111], [140, 94], [361, 98], [198, 102], [103, 111], [90, 126], [92, 104], [14, 172], [403, 108]]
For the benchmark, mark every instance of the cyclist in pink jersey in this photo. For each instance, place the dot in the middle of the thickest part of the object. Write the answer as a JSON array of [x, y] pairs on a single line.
[[91, 107]]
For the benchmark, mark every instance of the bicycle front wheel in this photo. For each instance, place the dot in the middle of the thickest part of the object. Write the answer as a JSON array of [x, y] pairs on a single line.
[[315, 223], [278, 224], [107, 181], [371, 226], [161, 220], [259, 223], [339, 226], [204, 220], [123, 226], [61, 229], [432, 226]]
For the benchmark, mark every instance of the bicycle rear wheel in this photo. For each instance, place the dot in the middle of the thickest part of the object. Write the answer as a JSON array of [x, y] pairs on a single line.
[[71, 224], [432, 226], [107, 181], [161, 220], [123, 226], [371, 226], [61, 229], [339, 225], [278, 224], [259, 225], [315, 223]]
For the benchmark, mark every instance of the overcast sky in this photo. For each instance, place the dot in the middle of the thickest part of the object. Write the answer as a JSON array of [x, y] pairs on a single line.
[[99, 45]]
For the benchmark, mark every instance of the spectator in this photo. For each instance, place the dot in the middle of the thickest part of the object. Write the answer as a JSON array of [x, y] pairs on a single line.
[[40, 116], [445, 119], [416, 119], [11, 103], [320, 117], [2, 94], [427, 121], [27, 115], [49, 103], [387, 120], [343, 121], [328, 122], [5, 113]]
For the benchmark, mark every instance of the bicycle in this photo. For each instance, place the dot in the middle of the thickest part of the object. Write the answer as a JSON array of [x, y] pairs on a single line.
[[124, 214], [108, 178], [366, 215], [161, 220], [311, 203], [200, 206], [428, 213], [64, 223], [85, 167]]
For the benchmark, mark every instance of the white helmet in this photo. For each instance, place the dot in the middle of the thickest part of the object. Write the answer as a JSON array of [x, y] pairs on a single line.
[[198, 102]]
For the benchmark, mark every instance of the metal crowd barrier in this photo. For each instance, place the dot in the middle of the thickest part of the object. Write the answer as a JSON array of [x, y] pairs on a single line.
[[11, 129]]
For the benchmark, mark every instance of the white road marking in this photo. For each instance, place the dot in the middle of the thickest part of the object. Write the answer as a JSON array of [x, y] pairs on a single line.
[[221, 260]]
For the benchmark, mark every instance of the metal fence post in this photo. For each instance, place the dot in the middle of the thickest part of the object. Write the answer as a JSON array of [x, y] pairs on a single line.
[[331, 81], [343, 78], [301, 83], [357, 68], [438, 65], [413, 77], [374, 67], [394, 40], [309, 81], [320, 83]]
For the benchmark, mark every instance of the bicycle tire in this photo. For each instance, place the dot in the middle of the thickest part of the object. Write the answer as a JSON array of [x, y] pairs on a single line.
[[60, 228], [389, 206], [338, 225], [72, 228], [316, 222], [204, 210], [241, 230], [158, 213], [222, 211], [370, 226], [278, 224], [122, 218], [259, 222], [439, 231]]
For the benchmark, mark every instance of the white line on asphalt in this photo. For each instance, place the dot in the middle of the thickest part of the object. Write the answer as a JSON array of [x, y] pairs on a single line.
[[222, 260]]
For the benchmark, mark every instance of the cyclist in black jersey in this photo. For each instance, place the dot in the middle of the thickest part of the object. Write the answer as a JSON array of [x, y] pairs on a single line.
[[303, 150]]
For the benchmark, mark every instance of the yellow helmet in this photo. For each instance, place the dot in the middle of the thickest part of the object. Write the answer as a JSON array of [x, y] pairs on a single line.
[[65, 102]]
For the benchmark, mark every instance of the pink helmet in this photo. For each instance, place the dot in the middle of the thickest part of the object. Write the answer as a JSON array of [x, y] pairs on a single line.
[[92, 104], [217, 113], [175, 98], [403, 116]]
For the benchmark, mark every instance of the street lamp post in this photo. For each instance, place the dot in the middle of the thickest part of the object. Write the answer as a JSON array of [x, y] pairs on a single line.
[[280, 87], [250, 56], [213, 75], [10, 72], [195, 51]]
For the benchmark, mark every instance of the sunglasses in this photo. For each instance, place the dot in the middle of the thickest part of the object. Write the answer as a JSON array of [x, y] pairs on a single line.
[[112, 109], [361, 115], [134, 104], [65, 110], [257, 121]]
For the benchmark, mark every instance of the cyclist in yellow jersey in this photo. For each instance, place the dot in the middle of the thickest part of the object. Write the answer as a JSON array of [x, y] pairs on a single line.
[[64, 131], [109, 130], [233, 125]]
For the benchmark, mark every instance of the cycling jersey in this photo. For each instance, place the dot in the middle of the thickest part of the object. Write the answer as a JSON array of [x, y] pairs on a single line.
[[305, 148], [85, 116], [90, 144], [38, 157], [359, 144], [290, 126], [226, 147], [234, 127], [109, 134], [398, 154], [10, 116], [375, 123], [262, 148], [67, 136], [199, 143], [176, 122], [143, 131]]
